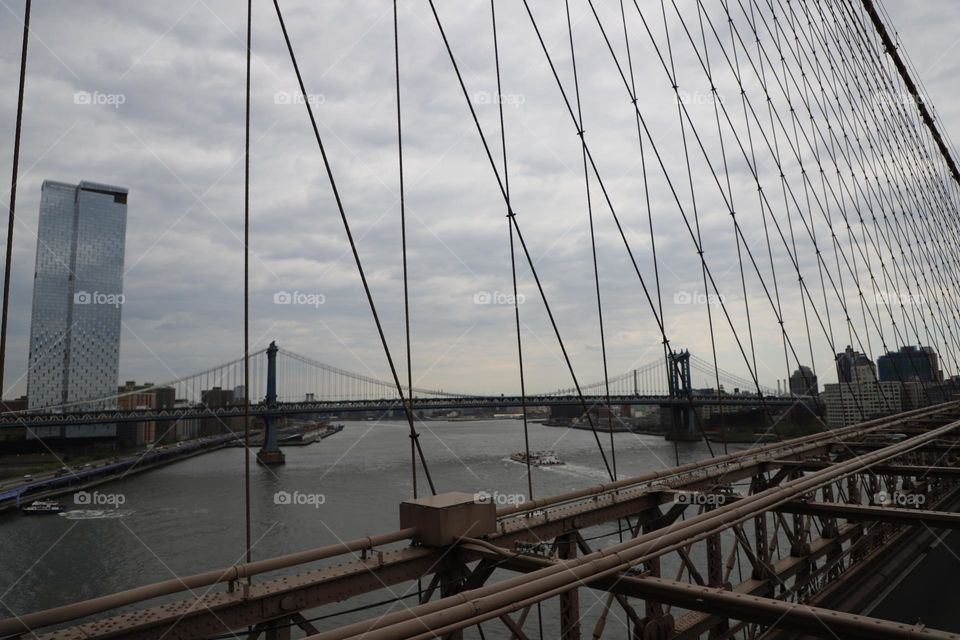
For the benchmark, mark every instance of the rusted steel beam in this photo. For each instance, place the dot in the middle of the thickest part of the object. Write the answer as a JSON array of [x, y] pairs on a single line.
[[916, 517], [882, 469]]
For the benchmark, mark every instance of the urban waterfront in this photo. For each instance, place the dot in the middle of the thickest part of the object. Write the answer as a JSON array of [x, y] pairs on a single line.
[[182, 519]]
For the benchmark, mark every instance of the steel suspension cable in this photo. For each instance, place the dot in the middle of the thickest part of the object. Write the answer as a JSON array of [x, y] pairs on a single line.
[[513, 259], [246, 295], [14, 174], [403, 243], [856, 152], [353, 247], [913, 262], [756, 177], [593, 238], [516, 227]]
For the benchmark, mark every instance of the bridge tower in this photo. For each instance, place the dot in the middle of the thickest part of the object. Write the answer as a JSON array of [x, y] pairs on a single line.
[[682, 415], [270, 452]]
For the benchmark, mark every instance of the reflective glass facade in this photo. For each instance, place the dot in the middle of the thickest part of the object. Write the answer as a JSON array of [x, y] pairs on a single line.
[[77, 294]]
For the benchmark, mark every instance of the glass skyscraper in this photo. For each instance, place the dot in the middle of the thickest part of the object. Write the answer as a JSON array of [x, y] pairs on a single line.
[[77, 295]]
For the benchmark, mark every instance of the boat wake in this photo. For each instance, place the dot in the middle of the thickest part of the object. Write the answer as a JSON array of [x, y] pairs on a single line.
[[579, 470], [567, 468], [96, 514]]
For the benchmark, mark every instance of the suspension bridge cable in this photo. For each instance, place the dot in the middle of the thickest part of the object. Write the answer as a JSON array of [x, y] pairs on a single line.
[[854, 151], [403, 242], [593, 239], [834, 148], [713, 340], [646, 187], [14, 171], [513, 259], [673, 191], [913, 262], [755, 175], [523, 245], [246, 295], [353, 247], [696, 221], [927, 203]]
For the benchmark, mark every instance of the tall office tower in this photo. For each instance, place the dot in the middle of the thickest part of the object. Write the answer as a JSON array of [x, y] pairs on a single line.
[[77, 294]]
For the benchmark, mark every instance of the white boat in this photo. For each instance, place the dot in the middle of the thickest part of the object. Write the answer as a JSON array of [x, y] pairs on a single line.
[[538, 458], [43, 507]]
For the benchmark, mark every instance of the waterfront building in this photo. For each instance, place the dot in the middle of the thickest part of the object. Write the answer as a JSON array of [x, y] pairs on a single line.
[[803, 382], [77, 300]]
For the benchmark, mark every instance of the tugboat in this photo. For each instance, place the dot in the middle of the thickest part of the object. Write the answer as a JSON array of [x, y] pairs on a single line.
[[538, 458], [43, 507]]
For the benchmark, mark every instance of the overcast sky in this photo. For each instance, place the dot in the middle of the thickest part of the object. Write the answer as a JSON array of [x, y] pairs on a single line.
[[149, 96]]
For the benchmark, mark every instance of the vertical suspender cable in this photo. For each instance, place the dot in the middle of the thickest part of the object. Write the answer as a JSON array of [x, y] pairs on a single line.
[[403, 242], [513, 259], [593, 238], [408, 409], [513, 274], [246, 296], [13, 193]]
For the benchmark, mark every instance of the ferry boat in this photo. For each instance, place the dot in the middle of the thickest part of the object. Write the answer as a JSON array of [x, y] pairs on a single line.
[[538, 458], [43, 507]]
